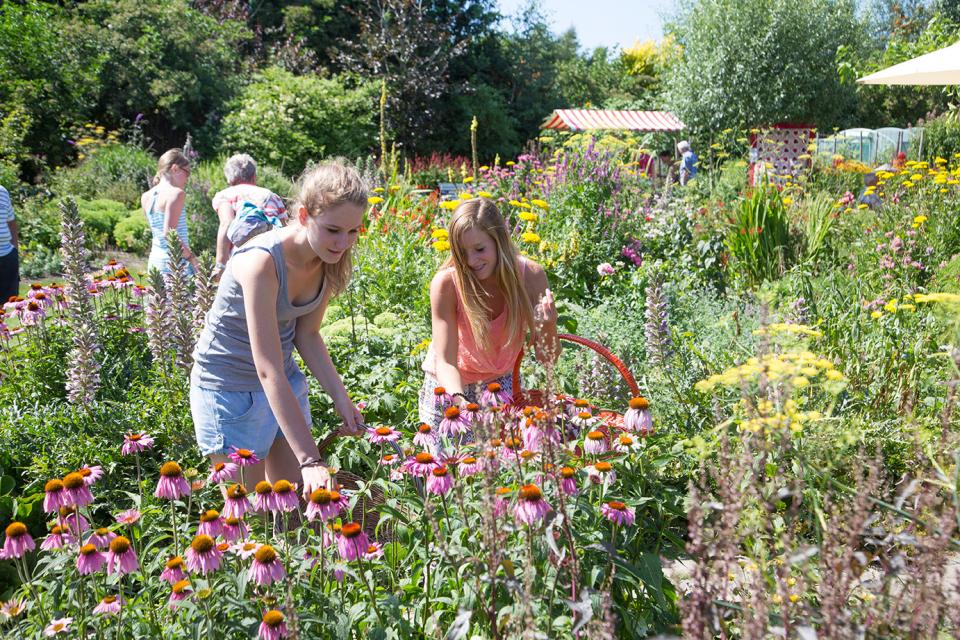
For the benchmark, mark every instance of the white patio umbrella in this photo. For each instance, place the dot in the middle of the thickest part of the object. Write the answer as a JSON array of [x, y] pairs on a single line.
[[938, 67]]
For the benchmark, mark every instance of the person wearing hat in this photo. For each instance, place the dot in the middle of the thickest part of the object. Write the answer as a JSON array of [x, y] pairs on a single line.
[[688, 162]]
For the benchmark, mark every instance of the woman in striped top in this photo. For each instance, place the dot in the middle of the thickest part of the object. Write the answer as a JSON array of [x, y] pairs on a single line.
[[163, 206]]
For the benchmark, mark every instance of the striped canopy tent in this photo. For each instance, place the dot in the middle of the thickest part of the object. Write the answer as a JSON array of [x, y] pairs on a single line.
[[593, 119]]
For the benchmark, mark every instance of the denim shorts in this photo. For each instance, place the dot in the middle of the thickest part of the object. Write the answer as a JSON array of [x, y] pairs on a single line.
[[223, 419]]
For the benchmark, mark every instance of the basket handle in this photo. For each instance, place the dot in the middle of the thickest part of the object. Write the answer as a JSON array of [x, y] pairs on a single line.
[[586, 342]]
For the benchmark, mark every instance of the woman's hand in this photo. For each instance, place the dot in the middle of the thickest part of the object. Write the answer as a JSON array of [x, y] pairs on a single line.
[[546, 311], [352, 420], [315, 477]]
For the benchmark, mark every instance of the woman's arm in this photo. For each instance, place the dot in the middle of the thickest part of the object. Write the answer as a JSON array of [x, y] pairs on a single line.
[[546, 345], [171, 216], [226, 215], [314, 352], [256, 273], [446, 340]]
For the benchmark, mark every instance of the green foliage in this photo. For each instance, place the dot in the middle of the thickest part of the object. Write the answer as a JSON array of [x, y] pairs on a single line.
[[132, 233], [941, 136], [759, 238], [286, 120], [100, 217], [114, 171], [14, 126], [758, 62]]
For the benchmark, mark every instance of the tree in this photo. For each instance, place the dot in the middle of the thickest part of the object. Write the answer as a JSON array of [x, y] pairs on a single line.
[[751, 63]]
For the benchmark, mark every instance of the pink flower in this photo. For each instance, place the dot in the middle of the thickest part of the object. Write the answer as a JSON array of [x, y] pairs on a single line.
[[203, 556], [245, 549], [531, 507], [272, 627], [325, 504], [89, 560], [121, 558], [18, 541], [264, 500], [173, 570], [501, 501], [244, 457], [426, 437], [595, 442], [101, 538], [236, 502], [55, 495], [601, 473], [439, 482], [77, 492], [638, 418], [234, 529], [267, 567], [618, 513], [469, 466], [179, 591], [109, 606], [211, 524], [90, 474], [605, 269], [421, 464], [568, 481], [374, 551], [494, 395], [129, 517], [57, 626], [383, 435], [625, 443], [58, 538], [352, 541], [222, 472], [135, 443], [285, 496], [454, 422], [441, 398], [73, 521], [172, 484]]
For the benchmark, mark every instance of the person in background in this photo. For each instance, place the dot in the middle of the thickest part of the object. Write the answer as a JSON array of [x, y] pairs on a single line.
[[163, 206], [9, 249], [869, 195], [688, 162], [645, 164], [663, 169], [899, 161], [241, 173]]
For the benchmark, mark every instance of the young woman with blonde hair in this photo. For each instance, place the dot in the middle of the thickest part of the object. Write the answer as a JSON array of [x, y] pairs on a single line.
[[247, 394], [163, 206], [484, 301]]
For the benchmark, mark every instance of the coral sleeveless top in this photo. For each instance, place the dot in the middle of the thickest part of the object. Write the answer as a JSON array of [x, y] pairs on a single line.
[[474, 364]]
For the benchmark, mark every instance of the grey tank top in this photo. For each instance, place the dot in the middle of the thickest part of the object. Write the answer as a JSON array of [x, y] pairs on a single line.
[[223, 358]]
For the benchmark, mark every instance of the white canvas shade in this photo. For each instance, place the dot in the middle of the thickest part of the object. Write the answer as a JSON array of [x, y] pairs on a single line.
[[934, 68]]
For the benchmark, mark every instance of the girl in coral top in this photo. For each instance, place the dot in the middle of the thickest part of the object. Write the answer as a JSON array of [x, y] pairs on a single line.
[[484, 301]]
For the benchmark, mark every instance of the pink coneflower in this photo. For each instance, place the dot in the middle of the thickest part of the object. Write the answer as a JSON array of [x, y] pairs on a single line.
[[90, 473], [172, 484], [77, 492], [89, 560], [625, 443], [420, 465], [101, 538], [179, 591], [469, 466], [383, 435], [73, 521], [325, 504], [128, 517], [439, 482], [272, 627], [601, 473], [494, 395], [245, 549], [121, 558], [222, 472], [425, 437], [568, 481], [374, 551], [203, 556], [267, 567], [501, 501], [583, 419], [135, 443], [531, 507], [18, 541], [638, 418], [512, 447], [454, 423], [236, 502], [244, 457], [57, 626], [54, 495], [390, 459], [112, 265], [211, 524], [595, 442], [173, 570], [441, 398], [472, 414], [109, 606], [12, 608], [264, 500], [576, 406], [285, 496], [234, 529], [618, 513], [352, 541], [31, 313], [58, 538]]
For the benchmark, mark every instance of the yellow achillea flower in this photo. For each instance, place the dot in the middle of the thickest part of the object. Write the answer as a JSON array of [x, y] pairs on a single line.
[[441, 245], [916, 177], [510, 163], [530, 237], [919, 220], [542, 204], [468, 180], [375, 200], [484, 194], [876, 314], [449, 205], [528, 216], [439, 234], [778, 328], [891, 306], [378, 190], [943, 298], [464, 195]]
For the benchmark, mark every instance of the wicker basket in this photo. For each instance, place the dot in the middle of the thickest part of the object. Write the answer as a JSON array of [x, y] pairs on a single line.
[[534, 397]]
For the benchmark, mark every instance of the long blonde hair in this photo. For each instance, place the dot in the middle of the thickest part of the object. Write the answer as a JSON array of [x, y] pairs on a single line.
[[169, 159], [483, 214], [328, 184]]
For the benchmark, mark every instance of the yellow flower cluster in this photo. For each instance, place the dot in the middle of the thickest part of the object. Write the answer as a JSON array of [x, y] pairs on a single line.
[[795, 367], [441, 240], [768, 419], [780, 328]]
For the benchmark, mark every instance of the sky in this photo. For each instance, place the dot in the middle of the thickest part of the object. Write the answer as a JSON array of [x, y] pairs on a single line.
[[602, 22]]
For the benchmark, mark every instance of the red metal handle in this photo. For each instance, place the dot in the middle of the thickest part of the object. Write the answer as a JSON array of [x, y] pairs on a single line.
[[599, 348]]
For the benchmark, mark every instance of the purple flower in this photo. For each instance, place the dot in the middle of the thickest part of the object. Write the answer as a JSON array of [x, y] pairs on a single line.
[[618, 513], [135, 443], [531, 507], [173, 570], [222, 472], [267, 567], [352, 541], [172, 484], [325, 504], [89, 560], [203, 556], [121, 558], [109, 606], [18, 541], [439, 482]]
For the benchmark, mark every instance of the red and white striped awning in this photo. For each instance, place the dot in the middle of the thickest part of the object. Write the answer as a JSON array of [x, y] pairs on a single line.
[[586, 119]]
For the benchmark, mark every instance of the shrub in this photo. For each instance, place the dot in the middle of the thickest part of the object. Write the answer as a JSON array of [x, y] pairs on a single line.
[[287, 120], [100, 217], [941, 136], [115, 171], [759, 239], [132, 233]]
